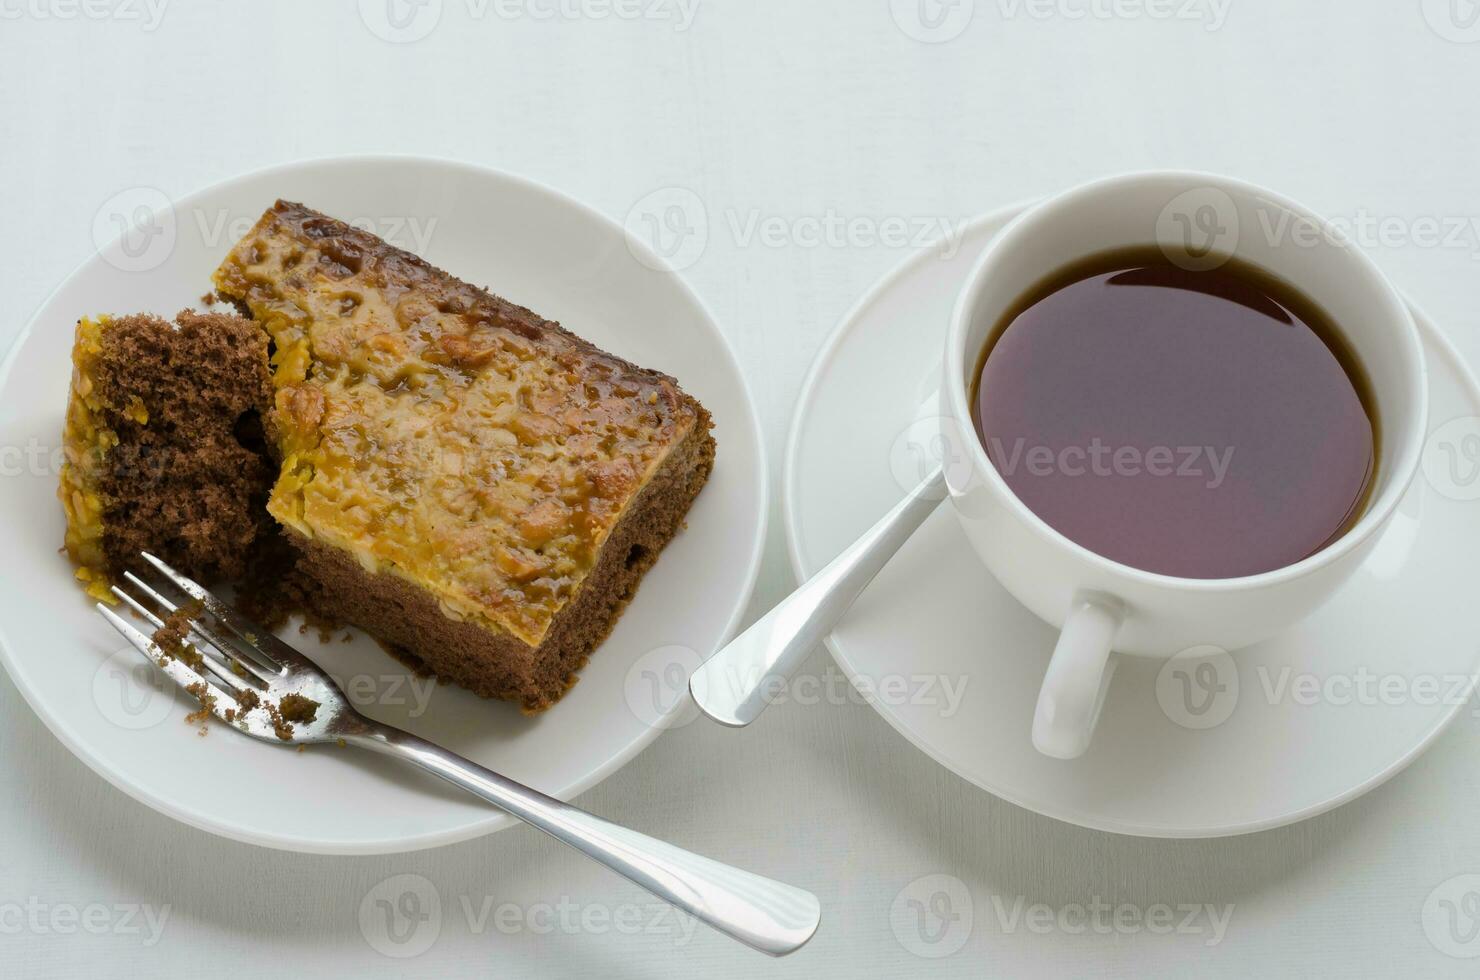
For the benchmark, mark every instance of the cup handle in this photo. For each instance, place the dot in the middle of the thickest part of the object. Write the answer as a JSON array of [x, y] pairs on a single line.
[[1078, 677]]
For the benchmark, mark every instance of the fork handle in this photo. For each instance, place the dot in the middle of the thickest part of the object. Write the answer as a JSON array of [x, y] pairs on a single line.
[[767, 915]]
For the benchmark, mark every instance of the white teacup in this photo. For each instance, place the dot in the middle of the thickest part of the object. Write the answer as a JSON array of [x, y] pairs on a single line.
[[1101, 605]]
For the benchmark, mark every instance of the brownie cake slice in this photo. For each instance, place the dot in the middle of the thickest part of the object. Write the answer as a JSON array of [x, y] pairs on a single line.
[[163, 445], [465, 479]]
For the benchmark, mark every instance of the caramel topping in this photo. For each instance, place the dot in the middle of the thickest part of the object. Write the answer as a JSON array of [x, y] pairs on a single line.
[[438, 432]]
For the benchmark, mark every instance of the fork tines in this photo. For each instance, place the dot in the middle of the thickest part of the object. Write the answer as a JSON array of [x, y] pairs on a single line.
[[226, 676]]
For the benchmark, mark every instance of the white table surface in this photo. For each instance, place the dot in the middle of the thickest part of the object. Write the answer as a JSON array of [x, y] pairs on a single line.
[[773, 109]]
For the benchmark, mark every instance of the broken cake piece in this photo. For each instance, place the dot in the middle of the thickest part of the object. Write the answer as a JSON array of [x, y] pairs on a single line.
[[164, 447]]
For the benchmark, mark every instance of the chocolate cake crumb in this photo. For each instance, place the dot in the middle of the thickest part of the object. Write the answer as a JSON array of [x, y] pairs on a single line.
[[297, 708], [170, 638], [282, 729], [207, 706]]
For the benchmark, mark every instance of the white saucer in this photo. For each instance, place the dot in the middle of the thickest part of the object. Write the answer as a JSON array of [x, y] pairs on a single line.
[[534, 246], [1263, 752]]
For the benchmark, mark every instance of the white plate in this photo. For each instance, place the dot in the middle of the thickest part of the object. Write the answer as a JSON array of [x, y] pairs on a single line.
[[531, 245], [1281, 755]]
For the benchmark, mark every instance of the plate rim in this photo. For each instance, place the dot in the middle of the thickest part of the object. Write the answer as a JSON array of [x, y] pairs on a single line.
[[495, 820], [993, 221]]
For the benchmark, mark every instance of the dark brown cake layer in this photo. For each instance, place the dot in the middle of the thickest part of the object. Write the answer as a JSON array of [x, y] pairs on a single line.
[[496, 664], [188, 477]]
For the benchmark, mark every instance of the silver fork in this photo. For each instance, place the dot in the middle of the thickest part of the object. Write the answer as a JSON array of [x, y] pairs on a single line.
[[240, 662]]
